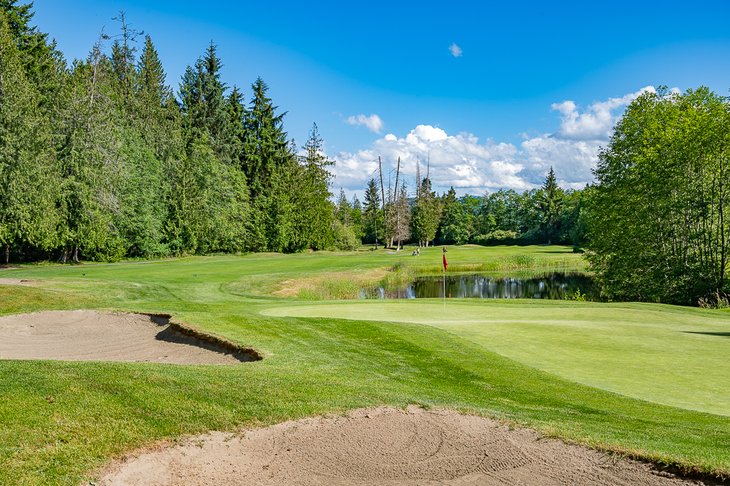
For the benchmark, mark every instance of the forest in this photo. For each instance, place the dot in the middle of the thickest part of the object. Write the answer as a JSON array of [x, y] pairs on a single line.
[[100, 159]]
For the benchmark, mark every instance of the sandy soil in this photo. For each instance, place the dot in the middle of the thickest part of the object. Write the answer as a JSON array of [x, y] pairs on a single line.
[[380, 446], [14, 281], [102, 336]]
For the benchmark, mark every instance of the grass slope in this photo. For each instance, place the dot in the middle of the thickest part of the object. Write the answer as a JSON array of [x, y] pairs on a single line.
[[671, 355], [63, 420]]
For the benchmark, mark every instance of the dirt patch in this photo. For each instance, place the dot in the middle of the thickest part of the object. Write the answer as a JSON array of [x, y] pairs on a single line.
[[380, 446], [14, 281], [85, 335]]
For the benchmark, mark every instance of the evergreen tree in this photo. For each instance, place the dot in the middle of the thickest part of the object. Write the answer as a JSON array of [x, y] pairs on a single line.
[[426, 214], [270, 169], [236, 112], [122, 59], [357, 217], [203, 106], [343, 210], [142, 212], [314, 204], [27, 176], [156, 112], [88, 160], [550, 204], [372, 217], [265, 146]]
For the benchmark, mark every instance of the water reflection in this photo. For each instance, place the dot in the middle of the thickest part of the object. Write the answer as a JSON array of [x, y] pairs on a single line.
[[549, 286]]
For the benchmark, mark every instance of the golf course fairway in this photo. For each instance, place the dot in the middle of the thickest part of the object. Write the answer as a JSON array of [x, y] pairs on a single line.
[[644, 380]]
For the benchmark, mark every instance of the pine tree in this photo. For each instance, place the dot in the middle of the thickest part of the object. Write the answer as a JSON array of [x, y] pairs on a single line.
[[156, 112], [315, 204], [236, 132], [343, 210], [372, 213], [550, 204], [271, 172], [265, 146]]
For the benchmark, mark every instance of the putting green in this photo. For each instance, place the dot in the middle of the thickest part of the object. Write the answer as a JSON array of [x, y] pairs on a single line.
[[664, 354]]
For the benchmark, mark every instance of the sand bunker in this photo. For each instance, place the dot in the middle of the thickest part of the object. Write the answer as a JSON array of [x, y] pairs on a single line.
[[14, 281], [381, 446], [104, 336]]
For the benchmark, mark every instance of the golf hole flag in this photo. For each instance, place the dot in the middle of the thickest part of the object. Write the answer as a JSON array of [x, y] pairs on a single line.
[[446, 264]]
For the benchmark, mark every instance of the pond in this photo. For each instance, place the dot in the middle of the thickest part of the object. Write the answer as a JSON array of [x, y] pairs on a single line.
[[548, 286]]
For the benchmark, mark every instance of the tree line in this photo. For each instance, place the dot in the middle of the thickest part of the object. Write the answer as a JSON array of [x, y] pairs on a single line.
[[100, 159], [659, 209], [392, 216]]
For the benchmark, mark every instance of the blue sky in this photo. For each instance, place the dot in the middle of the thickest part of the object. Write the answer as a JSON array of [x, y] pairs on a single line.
[[491, 94]]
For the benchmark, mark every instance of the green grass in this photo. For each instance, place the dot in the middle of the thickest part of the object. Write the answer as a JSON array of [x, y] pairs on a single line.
[[670, 355], [61, 421]]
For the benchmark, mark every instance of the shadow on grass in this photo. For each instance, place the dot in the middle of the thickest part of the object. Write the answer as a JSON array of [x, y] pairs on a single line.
[[709, 333]]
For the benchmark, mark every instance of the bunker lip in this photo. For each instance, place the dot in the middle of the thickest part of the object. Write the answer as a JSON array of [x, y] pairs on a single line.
[[380, 446], [86, 335]]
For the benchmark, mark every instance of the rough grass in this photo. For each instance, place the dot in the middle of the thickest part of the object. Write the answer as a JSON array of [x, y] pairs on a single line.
[[61, 421]]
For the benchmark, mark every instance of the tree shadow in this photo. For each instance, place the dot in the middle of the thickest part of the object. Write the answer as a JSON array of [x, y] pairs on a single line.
[[709, 333]]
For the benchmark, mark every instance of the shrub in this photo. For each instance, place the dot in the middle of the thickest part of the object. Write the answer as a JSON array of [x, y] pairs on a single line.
[[344, 237]]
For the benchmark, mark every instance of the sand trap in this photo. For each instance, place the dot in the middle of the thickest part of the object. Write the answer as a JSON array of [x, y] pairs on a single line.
[[103, 336], [380, 446], [14, 281]]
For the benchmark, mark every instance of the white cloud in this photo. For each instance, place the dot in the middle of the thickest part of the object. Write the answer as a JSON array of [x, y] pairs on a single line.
[[458, 160], [474, 167], [372, 122], [455, 50], [596, 123]]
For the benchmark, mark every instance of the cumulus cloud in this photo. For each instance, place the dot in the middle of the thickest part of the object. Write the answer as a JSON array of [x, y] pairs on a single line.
[[475, 167], [597, 121], [372, 122], [455, 50], [458, 160]]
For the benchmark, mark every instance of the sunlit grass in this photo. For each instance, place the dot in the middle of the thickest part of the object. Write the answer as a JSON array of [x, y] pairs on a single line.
[[60, 421]]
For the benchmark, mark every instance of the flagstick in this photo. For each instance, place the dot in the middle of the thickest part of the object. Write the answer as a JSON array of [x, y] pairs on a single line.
[[444, 290]]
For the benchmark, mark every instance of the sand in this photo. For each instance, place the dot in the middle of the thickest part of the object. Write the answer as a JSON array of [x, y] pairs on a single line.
[[85, 335], [382, 446], [14, 281]]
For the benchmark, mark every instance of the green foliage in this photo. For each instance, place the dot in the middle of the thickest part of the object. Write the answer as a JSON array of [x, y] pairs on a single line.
[[496, 237], [657, 226], [550, 202], [457, 224], [373, 214], [28, 178], [426, 214], [344, 236], [99, 160]]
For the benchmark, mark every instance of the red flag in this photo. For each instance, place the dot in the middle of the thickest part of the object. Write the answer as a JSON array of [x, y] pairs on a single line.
[[446, 264]]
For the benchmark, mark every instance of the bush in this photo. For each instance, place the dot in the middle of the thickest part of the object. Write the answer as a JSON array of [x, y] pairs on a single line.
[[344, 237], [497, 237]]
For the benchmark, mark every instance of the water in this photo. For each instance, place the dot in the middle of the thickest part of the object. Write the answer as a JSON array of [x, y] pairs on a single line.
[[548, 286]]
